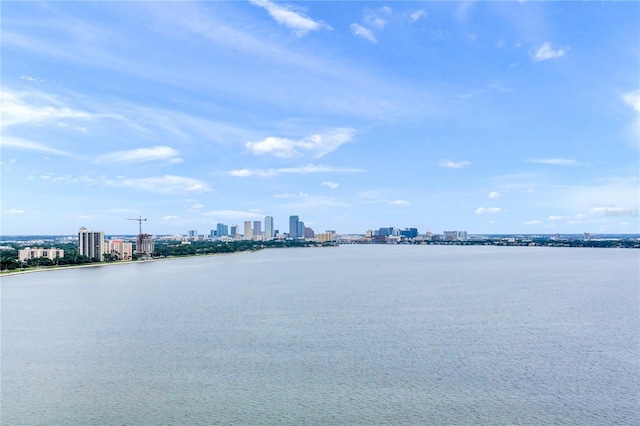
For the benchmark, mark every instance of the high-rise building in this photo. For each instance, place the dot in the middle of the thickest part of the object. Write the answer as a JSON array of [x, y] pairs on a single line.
[[268, 228], [300, 233], [192, 234], [222, 230], [462, 236], [257, 229], [91, 243], [293, 226], [234, 231], [248, 232]]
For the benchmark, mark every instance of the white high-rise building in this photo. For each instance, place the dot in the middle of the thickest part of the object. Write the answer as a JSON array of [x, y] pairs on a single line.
[[268, 228], [91, 243]]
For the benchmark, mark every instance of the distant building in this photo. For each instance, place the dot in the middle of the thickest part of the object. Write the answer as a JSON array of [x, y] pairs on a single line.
[[119, 248], [145, 245], [587, 236], [36, 252], [409, 232], [222, 230], [91, 243], [192, 234], [234, 231], [257, 229], [308, 233], [326, 236], [300, 233], [248, 232], [293, 226], [450, 235], [268, 228], [462, 235]]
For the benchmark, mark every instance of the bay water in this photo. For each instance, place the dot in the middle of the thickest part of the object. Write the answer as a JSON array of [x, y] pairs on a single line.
[[349, 335]]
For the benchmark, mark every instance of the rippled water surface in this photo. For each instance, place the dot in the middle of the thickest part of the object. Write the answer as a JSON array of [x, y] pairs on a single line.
[[367, 335]]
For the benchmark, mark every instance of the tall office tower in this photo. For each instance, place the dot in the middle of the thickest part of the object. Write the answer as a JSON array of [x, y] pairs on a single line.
[[91, 243], [212, 234], [193, 234], [257, 228], [248, 233], [462, 235], [222, 230], [293, 226], [234, 230], [268, 228], [300, 229]]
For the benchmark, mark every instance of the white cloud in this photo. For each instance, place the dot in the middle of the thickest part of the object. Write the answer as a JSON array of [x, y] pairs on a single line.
[[332, 185], [363, 32], [285, 15], [555, 161], [494, 194], [306, 201], [21, 144], [35, 108], [170, 218], [316, 145], [309, 168], [454, 164], [555, 217], [14, 211], [417, 15], [142, 154], [488, 210], [399, 203], [374, 20], [533, 222], [241, 173], [167, 184], [545, 52]]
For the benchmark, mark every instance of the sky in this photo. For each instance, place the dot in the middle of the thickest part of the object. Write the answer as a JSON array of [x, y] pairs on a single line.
[[485, 117]]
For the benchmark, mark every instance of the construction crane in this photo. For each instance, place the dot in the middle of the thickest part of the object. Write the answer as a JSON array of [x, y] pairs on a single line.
[[140, 247], [139, 219]]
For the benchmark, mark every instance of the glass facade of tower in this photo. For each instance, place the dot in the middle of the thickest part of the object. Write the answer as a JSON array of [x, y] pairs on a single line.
[[293, 226]]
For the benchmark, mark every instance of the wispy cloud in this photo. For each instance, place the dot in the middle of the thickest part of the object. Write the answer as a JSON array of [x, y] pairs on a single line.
[[308, 201], [375, 19], [533, 222], [494, 194], [454, 164], [332, 185], [555, 161], [21, 144], [545, 52], [363, 32], [316, 145], [14, 211], [399, 203], [287, 16], [309, 168], [417, 15], [170, 218], [488, 210], [34, 108], [139, 155], [168, 184]]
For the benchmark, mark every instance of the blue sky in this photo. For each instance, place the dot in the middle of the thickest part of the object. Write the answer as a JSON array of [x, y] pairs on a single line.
[[489, 117]]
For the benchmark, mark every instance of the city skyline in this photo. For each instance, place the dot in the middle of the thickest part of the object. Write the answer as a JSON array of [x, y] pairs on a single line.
[[493, 117]]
